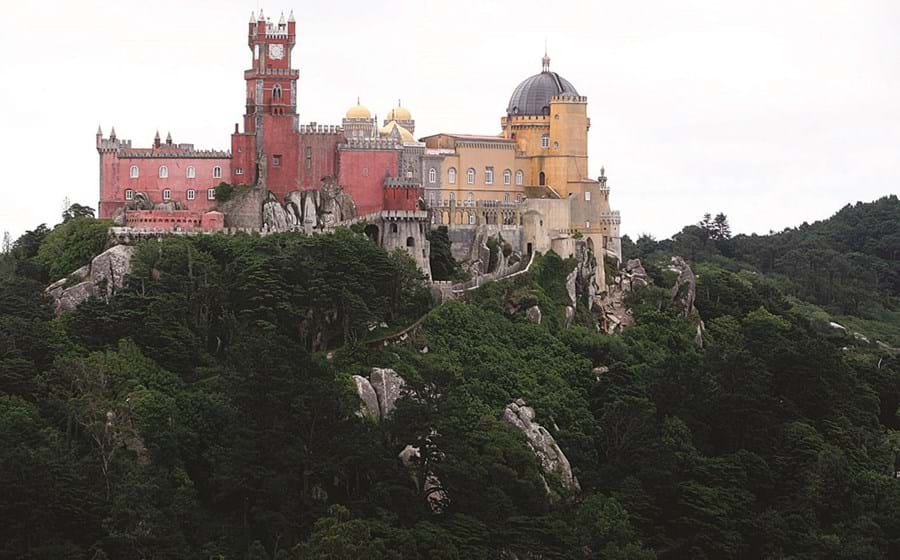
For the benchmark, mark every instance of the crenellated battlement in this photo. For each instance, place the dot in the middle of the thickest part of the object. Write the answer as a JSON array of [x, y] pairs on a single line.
[[579, 99], [371, 144], [315, 128], [401, 183]]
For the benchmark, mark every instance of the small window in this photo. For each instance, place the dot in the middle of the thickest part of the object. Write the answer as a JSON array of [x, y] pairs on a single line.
[[276, 91], [587, 225], [238, 170], [217, 172], [489, 176], [452, 197], [520, 177], [587, 196], [519, 197], [471, 197], [393, 228], [432, 175], [167, 194], [470, 176], [507, 177], [191, 172], [129, 194], [309, 158], [191, 194], [505, 197], [410, 242], [471, 219], [365, 171], [556, 145], [134, 173], [163, 172], [451, 176], [276, 160], [210, 194], [545, 141]]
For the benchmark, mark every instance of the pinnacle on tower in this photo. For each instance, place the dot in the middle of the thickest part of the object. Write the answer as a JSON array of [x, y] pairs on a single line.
[[252, 17], [281, 19], [261, 16], [291, 17], [99, 131], [112, 134], [545, 62], [168, 138]]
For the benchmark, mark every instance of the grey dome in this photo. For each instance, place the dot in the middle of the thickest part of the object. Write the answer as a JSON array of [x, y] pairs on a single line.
[[532, 97]]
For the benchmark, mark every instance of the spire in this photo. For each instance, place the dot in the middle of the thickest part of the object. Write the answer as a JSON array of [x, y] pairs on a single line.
[[99, 131], [112, 134], [291, 17], [261, 16], [157, 135], [357, 100], [602, 171], [169, 138], [252, 17], [281, 19], [545, 62]]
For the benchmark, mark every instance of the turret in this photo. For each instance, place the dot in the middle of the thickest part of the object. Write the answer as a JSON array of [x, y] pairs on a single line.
[[156, 140], [99, 136], [112, 133], [169, 139]]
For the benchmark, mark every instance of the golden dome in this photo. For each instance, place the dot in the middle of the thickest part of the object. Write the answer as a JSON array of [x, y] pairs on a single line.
[[405, 135], [358, 112], [399, 114]]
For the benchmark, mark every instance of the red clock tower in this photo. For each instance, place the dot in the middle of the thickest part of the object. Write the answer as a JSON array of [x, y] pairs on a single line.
[[267, 151]]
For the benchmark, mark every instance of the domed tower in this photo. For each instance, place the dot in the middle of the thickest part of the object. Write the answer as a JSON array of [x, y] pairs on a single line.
[[401, 116], [358, 122], [548, 119]]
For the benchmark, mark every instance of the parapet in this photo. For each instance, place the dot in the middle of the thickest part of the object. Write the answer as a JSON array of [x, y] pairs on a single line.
[[568, 99], [315, 128], [370, 144], [402, 183]]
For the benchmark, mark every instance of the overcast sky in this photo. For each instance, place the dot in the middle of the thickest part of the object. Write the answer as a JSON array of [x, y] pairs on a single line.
[[773, 112]]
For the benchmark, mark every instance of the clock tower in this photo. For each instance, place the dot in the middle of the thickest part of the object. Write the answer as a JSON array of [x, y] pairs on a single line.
[[266, 153]]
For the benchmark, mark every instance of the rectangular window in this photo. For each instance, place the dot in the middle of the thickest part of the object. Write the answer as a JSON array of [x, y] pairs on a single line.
[[365, 171], [587, 196], [129, 194], [167, 194], [308, 157], [276, 160], [587, 225], [210, 194], [239, 171], [191, 194], [545, 141]]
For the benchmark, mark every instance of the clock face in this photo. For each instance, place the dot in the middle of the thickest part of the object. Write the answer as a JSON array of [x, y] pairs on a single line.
[[276, 51]]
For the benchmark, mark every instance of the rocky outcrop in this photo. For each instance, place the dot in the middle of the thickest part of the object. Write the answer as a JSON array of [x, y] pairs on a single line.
[[585, 275], [379, 393], [614, 314], [553, 461], [426, 481], [684, 294], [570, 315], [101, 278], [534, 315], [311, 210]]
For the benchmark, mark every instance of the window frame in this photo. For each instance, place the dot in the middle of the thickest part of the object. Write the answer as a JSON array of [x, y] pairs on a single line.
[[167, 195], [191, 194], [129, 194], [217, 172], [507, 177], [163, 172], [211, 194], [488, 175], [451, 176], [134, 172], [191, 172], [545, 141], [520, 177], [470, 176], [432, 175]]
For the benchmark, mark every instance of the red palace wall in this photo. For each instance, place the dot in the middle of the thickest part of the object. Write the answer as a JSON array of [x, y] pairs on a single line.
[[322, 157], [402, 198], [280, 139], [362, 174], [116, 180]]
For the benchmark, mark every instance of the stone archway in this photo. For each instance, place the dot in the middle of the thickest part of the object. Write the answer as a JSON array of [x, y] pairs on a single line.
[[371, 232]]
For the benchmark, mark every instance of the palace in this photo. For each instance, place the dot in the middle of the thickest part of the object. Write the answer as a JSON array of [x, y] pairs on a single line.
[[529, 184]]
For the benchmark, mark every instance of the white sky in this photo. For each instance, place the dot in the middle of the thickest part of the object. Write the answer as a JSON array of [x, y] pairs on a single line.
[[773, 112]]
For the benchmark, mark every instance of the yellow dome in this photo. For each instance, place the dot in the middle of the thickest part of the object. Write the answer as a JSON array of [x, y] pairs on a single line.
[[405, 135], [399, 114], [358, 112]]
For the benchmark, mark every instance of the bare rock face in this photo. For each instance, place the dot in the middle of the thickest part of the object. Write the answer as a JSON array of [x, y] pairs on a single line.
[[570, 315], [102, 278], [684, 294], [534, 314], [553, 460], [368, 397], [275, 217], [614, 314], [585, 274]]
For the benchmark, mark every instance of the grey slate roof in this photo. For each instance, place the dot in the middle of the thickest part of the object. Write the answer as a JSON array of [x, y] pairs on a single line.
[[532, 96]]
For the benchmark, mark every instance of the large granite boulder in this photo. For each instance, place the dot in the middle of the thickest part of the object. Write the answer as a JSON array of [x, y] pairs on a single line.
[[553, 461], [379, 393], [684, 294], [534, 315], [101, 278], [275, 217], [427, 482], [614, 314]]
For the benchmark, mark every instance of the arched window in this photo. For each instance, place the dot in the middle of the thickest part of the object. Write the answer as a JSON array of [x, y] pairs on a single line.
[[542, 179], [452, 197], [276, 91], [191, 172], [507, 177], [545, 141], [134, 173], [470, 176], [489, 175], [520, 177], [471, 197], [410, 242], [167, 194], [217, 172], [432, 175], [191, 194], [163, 172], [451, 175]]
